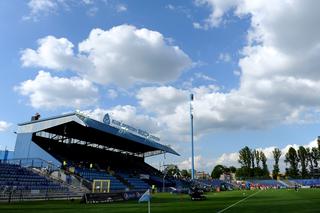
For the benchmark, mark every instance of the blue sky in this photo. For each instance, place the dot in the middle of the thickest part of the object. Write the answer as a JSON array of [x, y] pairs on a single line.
[[253, 68]]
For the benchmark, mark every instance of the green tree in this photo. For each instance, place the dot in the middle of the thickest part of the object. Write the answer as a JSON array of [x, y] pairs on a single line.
[[257, 156], [264, 164], [242, 173], [245, 161], [253, 152], [276, 155], [173, 171], [217, 171], [303, 158], [310, 160], [226, 169], [315, 156], [185, 173], [233, 169], [293, 160], [258, 172], [245, 157]]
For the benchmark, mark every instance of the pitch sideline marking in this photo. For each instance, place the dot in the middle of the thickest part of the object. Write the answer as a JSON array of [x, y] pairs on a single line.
[[238, 202]]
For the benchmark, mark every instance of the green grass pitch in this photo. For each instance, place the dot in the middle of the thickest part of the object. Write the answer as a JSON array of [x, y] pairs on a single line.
[[305, 200]]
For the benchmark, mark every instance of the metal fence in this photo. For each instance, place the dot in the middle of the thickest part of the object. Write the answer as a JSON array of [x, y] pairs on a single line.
[[10, 194]]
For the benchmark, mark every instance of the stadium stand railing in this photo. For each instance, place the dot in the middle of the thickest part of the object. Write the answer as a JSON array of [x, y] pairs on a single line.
[[27, 183], [24, 179], [306, 182]]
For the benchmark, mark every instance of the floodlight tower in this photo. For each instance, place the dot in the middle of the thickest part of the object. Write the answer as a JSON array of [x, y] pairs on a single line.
[[192, 151]]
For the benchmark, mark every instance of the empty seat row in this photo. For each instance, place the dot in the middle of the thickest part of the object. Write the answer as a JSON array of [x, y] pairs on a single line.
[[19, 178], [92, 175], [137, 183]]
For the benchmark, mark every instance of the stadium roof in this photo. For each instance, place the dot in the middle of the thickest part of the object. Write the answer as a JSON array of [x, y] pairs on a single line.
[[86, 131]]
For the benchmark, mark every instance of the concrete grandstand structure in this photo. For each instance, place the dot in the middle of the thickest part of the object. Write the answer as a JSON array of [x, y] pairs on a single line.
[[76, 148], [49, 138]]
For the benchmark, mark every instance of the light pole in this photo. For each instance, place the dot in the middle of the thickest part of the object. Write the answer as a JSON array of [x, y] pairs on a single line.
[[164, 176], [192, 151], [163, 180]]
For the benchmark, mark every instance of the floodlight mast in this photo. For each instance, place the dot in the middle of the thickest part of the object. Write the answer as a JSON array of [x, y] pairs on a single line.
[[192, 150]]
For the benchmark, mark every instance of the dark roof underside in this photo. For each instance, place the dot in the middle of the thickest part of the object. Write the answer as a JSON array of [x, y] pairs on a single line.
[[99, 133]]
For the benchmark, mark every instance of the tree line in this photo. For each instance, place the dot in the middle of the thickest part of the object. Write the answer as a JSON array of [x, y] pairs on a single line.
[[300, 163]]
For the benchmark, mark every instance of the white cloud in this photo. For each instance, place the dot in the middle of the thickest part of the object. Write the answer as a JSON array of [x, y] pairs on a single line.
[[55, 54], [50, 92], [179, 9], [236, 72], [112, 93], [153, 99], [170, 7], [197, 25], [279, 76], [200, 164], [92, 11], [123, 55], [88, 1], [224, 57], [279, 68], [40, 7], [4, 126], [212, 109], [204, 77], [219, 8], [171, 107], [131, 115], [121, 8], [228, 159]]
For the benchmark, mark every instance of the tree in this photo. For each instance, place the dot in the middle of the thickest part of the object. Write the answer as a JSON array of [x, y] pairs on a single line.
[[173, 171], [242, 173], [264, 164], [303, 158], [258, 172], [257, 156], [276, 155], [245, 161], [233, 169], [185, 173], [226, 169], [252, 158], [217, 171], [310, 160], [293, 160], [315, 156], [245, 157]]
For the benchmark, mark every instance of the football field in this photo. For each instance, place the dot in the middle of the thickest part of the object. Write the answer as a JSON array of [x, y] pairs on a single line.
[[304, 200]]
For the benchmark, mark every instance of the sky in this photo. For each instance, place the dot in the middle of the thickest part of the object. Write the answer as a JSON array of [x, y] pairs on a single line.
[[253, 67]]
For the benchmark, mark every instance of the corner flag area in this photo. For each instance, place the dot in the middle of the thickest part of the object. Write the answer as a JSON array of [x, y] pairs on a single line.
[[284, 200]]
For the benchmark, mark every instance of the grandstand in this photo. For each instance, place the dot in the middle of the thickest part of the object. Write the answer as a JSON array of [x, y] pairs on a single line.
[[268, 183], [22, 178], [306, 182], [78, 150], [20, 183]]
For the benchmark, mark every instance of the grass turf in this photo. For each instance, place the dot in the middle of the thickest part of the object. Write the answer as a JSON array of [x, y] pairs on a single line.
[[305, 200]]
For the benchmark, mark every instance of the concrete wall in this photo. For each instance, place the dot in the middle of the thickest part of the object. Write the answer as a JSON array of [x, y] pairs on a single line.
[[25, 148]]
